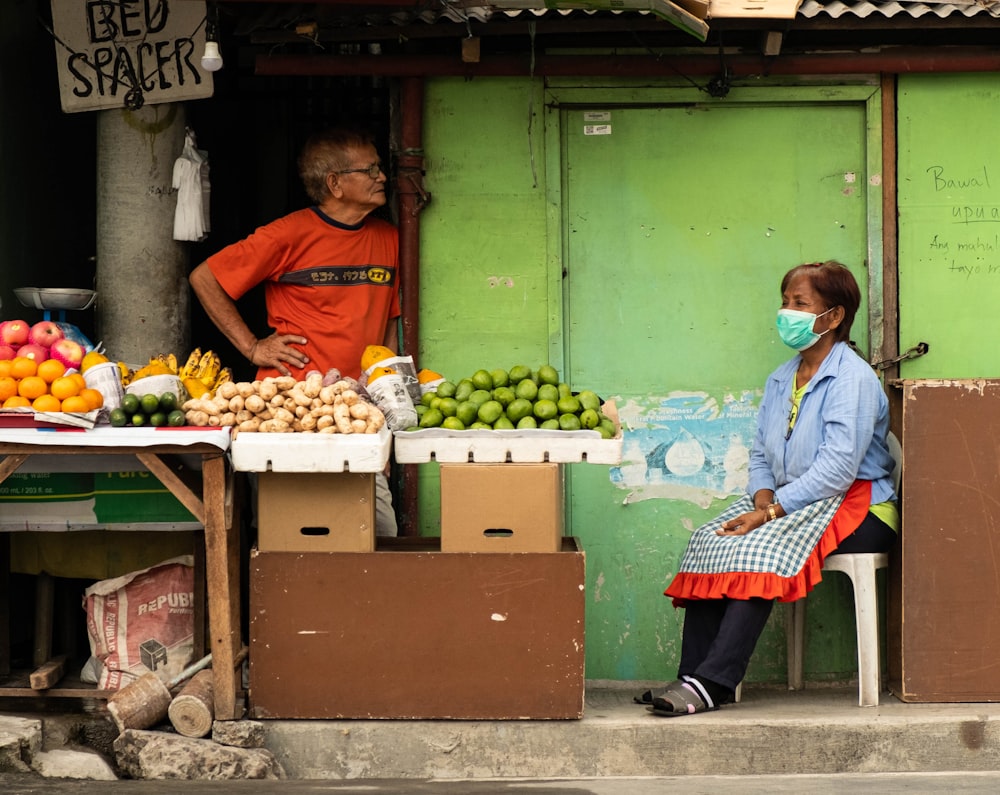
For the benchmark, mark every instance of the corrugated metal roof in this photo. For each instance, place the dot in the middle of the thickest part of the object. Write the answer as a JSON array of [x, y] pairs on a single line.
[[837, 9]]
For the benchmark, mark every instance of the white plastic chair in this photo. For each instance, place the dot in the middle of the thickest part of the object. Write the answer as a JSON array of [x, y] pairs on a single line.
[[860, 568]]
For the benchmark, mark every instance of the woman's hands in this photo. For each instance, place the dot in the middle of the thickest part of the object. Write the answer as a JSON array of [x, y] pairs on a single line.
[[742, 524]]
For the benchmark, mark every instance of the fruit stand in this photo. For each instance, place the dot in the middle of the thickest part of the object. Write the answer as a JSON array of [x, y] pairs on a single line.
[[205, 491]]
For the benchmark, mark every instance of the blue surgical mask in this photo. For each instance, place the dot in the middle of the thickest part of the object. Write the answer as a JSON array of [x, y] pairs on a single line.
[[796, 328]]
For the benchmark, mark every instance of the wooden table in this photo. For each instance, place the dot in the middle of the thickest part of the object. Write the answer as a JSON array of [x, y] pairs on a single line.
[[207, 494]]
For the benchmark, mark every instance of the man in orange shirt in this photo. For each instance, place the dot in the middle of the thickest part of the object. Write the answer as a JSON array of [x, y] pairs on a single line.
[[329, 274]]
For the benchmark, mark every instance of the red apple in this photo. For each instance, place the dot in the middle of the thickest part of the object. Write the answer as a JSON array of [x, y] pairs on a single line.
[[14, 332], [69, 352], [45, 333], [6, 352], [34, 351]]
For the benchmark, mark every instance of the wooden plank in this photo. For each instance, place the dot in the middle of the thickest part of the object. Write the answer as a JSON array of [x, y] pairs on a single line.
[[4, 604], [45, 589], [177, 487], [10, 465], [222, 574], [45, 676]]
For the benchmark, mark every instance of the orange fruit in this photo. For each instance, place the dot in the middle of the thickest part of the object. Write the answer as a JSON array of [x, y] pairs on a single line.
[[81, 382], [31, 387], [5, 367], [22, 367], [50, 370], [64, 387], [75, 404], [94, 398], [90, 359], [374, 354], [46, 402], [8, 387], [17, 402]]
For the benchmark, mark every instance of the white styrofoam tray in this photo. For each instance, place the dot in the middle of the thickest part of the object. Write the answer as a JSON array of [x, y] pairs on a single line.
[[497, 447], [311, 452]]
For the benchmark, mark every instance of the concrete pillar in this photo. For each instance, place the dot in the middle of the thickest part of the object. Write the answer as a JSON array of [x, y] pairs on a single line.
[[143, 295]]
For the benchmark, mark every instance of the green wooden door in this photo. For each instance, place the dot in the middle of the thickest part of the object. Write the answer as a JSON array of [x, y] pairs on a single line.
[[678, 224]]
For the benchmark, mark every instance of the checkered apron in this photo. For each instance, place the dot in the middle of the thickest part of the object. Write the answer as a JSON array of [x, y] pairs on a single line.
[[781, 546]]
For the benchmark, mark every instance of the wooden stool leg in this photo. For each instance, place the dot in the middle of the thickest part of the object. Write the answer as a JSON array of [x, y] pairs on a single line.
[[4, 604], [44, 607]]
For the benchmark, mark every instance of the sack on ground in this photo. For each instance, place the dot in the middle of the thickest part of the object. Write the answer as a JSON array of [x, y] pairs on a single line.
[[139, 622]]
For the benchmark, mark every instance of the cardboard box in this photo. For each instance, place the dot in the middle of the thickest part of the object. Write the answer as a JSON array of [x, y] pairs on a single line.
[[407, 632], [316, 511], [501, 507]]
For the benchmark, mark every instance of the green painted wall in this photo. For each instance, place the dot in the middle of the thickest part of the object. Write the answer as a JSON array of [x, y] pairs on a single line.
[[644, 265], [949, 219]]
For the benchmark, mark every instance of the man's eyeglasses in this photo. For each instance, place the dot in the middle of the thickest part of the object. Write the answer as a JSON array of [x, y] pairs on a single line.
[[372, 171]]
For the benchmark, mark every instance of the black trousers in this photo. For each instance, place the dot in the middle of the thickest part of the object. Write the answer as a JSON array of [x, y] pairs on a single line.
[[720, 634]]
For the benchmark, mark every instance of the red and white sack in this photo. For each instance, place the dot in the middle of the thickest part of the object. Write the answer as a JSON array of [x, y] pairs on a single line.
[[142, 621]]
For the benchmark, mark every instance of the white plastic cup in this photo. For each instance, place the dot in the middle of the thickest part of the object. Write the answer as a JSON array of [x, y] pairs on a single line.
[[106, 379]]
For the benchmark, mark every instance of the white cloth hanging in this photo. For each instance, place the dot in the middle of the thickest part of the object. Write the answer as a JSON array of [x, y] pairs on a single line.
[[191, 218]]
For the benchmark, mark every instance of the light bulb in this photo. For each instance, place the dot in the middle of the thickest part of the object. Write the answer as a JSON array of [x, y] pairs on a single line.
[[211, 61]]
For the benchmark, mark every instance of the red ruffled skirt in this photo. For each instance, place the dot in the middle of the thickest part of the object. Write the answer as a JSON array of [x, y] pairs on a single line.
[[745, 585]]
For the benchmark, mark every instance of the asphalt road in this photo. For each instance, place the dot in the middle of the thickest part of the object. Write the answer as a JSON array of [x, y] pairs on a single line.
[[856, 784]]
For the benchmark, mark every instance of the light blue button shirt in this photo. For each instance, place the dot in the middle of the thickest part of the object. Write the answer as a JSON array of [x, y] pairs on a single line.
[[839, 435]]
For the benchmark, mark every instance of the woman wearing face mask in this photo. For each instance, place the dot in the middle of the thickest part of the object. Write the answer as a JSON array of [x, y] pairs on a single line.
[[819, 483]]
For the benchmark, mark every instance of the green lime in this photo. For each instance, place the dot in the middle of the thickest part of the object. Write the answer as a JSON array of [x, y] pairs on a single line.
[[546, 409], [453, 424], [168, 402], [568, 405], [149, 403], [500, 378], [548, 392], [432, 418], [481, 379], [490, 412], [607, 426], [589, 419], [130, 403], [448, 406], [480, 396], [503, 424], [420, 408], [480, 426], [569, 422], [427, 397], [138, 419], [547, 374], [118, 417], [605, 433], [158, 419], [589, 399], [467, 412], [519, 409], [435, 402], [527, 389], [464, 389], [550, 425], [527, 422], [446, 389], [564, 390], [504, 395], [412, 428], [176, 418], [518, 373]]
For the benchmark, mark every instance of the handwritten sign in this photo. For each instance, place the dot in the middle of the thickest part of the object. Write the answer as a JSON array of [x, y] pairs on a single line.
[[127, 53], [966, 239]]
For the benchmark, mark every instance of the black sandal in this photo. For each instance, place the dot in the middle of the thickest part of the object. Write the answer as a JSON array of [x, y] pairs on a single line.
[[645, 698], [679, 699]]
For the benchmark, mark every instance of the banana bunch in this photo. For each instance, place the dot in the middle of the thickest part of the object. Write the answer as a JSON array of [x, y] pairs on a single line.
[[203, 372], [161, 364]]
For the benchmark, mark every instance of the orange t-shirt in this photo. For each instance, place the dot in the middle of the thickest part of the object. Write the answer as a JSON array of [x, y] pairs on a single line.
[[334, 284]]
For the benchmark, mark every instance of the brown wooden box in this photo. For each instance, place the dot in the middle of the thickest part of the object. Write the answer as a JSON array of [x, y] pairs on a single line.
[[316, 511], [501, 507], [411, 632], [944, 604]]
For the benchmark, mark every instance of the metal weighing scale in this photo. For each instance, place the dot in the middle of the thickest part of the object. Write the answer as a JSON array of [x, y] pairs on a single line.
[[60, 299]]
